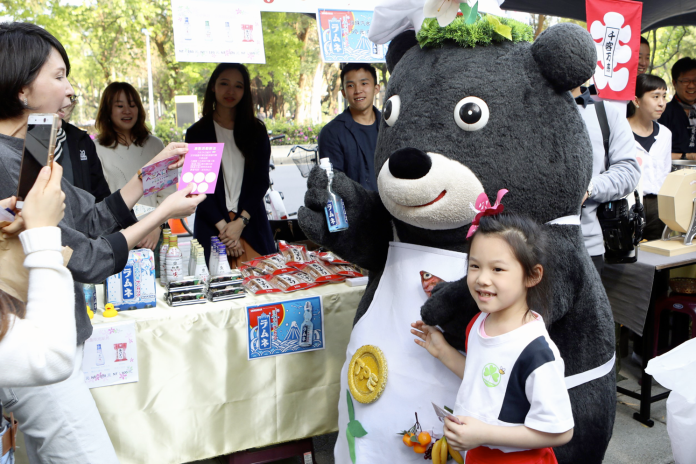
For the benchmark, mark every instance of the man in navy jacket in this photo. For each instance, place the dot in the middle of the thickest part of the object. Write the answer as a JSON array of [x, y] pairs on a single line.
[[349, 140]]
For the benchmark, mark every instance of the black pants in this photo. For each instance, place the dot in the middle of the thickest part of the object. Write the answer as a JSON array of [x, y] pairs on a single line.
[[598, 262], [653, 225]]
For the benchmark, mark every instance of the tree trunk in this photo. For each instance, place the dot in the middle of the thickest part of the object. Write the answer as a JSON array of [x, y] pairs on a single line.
[[304, 81], [541, 19]]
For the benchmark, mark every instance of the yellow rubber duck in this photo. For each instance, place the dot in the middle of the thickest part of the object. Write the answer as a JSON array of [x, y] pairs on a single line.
[[109, 310], [90, 313]]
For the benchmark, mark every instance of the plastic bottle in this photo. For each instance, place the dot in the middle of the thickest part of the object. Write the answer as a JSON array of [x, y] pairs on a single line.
[[174, 261], [201, 269], [335, 208], [163, 256], [214, 254], [223, 266]]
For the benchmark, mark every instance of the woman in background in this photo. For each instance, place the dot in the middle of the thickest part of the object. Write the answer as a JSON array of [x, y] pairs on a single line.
[[654, 145], [125, 144], [236, 211]]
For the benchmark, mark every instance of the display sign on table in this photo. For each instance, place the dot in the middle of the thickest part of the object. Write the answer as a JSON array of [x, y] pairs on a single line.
[[282, 328], [309, 6], [615, 28], [202, 167], [215, 31], [158, 176], [343, 37], [111, 355]]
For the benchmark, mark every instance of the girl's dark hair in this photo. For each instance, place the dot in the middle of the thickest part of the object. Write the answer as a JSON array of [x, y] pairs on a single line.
[[24, 49], [645, 83], [529, 244], [247, 126], [9, 305], [108, 137]]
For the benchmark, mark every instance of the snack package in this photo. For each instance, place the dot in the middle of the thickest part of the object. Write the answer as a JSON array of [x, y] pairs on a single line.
[[234, 277], [271, 264], [291, 282], [330, 257], [347, 270], [293, 254], [226, 293], [186, 283], [260, 285], [181, 299], [251, 271], [320, 273]]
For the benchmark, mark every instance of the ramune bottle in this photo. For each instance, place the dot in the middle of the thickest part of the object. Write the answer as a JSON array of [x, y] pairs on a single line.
[[174, 261], [307, 327], [201, 269], [214, 253], [335, 208]]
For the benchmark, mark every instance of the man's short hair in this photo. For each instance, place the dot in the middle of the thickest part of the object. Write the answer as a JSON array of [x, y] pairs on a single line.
[[24, 49], [355, 66], [643, 40], [684, 65]]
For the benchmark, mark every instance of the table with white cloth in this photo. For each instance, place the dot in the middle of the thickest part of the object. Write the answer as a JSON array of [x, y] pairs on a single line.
[[199, 396]]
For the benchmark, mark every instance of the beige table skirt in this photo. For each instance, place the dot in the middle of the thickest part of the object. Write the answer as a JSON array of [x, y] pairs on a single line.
[[198, 396]]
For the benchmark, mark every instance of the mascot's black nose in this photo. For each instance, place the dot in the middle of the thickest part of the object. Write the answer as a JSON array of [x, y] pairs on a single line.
[[409, 163]]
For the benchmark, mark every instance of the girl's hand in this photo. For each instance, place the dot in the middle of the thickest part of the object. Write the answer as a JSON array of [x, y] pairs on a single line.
[[173, 149], [231, 232], [181, 204], [150, 240], [430, 338], [467, 436]]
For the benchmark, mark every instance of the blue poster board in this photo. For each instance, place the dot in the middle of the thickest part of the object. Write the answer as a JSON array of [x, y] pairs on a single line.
[[286, 327], [343, 37]]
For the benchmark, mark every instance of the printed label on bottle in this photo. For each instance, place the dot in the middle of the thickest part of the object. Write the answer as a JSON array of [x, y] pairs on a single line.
[[128, 284]]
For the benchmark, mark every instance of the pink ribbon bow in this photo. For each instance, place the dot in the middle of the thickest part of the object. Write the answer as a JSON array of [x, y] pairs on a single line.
[[483, 208]]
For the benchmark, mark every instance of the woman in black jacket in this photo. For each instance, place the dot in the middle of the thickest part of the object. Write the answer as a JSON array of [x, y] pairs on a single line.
[[236, 212]]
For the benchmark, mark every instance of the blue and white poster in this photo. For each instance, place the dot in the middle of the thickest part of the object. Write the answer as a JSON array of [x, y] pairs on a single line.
[[287, 327], [343, 37]]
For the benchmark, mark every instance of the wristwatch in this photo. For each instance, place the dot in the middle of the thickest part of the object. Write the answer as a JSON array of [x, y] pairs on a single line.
[[244, 220], [590, 187]]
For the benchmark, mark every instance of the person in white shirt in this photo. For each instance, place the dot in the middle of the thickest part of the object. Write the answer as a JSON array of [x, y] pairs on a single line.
[[654, 145], [125, 144], [513, 397]]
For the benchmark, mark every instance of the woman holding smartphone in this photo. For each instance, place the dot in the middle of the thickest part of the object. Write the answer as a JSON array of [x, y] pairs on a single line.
[[236, 211], [125, 144], [61, 423]]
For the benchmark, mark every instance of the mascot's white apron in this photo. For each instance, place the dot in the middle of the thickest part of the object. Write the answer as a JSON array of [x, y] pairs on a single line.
[[415, 378]]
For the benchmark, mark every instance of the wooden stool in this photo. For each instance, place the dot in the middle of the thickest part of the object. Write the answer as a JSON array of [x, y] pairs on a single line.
[[679, 303], [303, 448]]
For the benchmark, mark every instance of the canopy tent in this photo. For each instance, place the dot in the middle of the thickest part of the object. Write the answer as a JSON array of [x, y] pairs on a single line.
[[656, 13]]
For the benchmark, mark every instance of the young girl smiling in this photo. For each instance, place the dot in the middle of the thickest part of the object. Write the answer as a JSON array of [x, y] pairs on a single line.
[[513, 402]]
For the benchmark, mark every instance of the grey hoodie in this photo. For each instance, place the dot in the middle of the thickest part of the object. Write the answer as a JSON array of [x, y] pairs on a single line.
[[89, 229]]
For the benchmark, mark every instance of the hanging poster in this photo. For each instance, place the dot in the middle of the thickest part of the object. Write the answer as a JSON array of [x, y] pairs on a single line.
[[216, 31], [309, 6], [282, 328], [615, 28], [343, 37], [111, 355]]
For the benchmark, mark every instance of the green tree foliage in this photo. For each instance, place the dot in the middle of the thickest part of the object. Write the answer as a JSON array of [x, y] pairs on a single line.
[[667, 45]]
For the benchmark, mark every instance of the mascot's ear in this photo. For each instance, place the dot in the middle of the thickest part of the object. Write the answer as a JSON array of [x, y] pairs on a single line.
[[398, 46], [566, 55]]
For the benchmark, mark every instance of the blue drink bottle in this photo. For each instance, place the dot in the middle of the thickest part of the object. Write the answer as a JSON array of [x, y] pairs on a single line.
[[335, 208]]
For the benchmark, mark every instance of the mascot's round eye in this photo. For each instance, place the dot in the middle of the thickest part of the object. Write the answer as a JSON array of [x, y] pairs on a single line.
[[391, 110], [471, 114]]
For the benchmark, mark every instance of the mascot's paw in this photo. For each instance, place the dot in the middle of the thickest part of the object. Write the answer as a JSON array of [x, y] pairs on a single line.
[[450, 307]]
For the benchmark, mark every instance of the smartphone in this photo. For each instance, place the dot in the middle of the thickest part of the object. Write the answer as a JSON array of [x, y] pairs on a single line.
[[39, 145]]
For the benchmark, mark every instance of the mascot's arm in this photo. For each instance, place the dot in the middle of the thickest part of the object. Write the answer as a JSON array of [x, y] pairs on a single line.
[[452, 307], [366, 241]]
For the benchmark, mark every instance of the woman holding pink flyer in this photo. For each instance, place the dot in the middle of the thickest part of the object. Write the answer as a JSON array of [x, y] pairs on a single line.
[[236, 211], [125, 144]]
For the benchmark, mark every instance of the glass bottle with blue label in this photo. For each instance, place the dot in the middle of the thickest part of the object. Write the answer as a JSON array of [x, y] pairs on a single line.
[[307, 327], [335, 209]]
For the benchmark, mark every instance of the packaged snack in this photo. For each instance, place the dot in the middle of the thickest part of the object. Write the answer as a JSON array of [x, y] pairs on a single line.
[[290, 282], [234, 276], [186, 283], [226, 293], [347, 270], [260, 285], [181, 299], [251, 271], [293, 254], [330, 257], [320, 273], [271, 264]]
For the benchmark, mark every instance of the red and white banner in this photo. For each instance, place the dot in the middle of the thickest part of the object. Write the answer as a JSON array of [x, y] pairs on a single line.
[[615, 28]]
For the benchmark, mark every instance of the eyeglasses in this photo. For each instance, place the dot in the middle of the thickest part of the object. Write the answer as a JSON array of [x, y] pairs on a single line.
[[687, 82]]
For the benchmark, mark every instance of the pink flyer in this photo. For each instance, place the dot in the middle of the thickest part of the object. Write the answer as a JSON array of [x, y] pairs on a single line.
[[201, 167]]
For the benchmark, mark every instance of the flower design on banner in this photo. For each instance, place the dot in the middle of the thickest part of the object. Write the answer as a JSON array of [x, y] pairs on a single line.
[[483, 208], [444, 10], [610, 51]]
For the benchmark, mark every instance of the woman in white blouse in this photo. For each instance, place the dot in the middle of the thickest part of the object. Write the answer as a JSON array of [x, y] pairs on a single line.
[[654, 145], [125, 144]]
